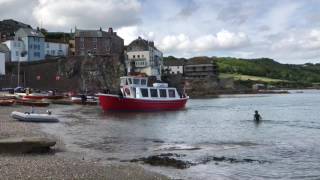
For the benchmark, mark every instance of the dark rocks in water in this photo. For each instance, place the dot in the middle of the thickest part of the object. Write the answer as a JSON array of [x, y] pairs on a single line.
[[170, 160], [172, 154], [158, 141], [165, 160], [230, 160]]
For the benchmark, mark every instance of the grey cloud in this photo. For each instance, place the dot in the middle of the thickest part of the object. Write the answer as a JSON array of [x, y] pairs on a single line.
[[188, 10], [19, 10], [236, 12]]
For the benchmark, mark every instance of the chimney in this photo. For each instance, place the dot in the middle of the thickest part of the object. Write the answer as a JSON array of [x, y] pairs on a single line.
[[110, 30], [151, 43]]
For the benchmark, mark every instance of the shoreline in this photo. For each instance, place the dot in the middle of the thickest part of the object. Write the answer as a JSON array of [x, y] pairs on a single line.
[[59, 163]]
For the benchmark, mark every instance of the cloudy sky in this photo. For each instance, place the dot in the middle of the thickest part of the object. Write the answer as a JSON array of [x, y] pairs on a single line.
[[286, 30]]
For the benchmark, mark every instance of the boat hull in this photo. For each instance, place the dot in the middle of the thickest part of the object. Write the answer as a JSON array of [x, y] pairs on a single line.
[[110, 102], [8, 102], [26, 102], [33, 117]]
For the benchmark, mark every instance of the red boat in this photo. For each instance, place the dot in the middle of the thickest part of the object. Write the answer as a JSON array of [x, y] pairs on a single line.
[[137, 96], [38, 96]]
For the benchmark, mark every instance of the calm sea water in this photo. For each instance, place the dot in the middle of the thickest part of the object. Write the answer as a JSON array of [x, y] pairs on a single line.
[[286, 142]]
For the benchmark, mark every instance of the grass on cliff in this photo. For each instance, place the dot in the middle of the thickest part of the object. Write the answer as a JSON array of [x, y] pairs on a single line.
[[250, 78]]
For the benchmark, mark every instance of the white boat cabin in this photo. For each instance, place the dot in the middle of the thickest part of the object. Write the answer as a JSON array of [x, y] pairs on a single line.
[[137, 87]]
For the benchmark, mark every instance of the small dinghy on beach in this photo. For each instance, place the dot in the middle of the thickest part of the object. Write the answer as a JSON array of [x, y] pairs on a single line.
[[34, 117]]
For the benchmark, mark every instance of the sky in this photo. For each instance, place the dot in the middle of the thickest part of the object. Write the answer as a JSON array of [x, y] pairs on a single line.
[[285, 30]]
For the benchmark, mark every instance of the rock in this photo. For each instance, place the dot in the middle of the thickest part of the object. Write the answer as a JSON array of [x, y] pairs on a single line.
[[163, 160], [26, 145], [230, 160]]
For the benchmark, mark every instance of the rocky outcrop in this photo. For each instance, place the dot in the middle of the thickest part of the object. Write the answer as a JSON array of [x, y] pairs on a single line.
[[91, 74], [26, 145]]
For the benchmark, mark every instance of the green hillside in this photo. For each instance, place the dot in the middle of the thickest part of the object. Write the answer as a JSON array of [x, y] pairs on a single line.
[[264, 67], [307, 73]]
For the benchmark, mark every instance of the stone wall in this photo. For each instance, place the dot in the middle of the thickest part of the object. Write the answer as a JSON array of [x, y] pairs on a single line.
[[195, 88], [90, 74]]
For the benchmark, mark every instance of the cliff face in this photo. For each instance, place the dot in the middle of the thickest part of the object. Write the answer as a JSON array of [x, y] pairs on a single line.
[[90, 74]]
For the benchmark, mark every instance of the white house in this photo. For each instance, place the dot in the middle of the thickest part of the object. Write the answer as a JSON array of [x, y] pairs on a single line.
[[16, 47], [56, 49], [144, 57], [173, 66], [2, 63], [34, 43]]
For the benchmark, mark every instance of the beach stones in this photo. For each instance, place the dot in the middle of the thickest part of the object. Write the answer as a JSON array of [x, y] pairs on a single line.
[[26, 145]]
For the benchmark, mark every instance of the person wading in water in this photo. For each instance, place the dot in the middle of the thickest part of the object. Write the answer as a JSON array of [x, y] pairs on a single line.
[[257, 116]]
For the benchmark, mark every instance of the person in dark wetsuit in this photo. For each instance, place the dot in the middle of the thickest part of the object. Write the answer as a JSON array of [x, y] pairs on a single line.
[[256, 116], [83, 99]]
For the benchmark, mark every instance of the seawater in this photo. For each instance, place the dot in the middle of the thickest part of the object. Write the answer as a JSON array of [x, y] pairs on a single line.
[[287, 140]]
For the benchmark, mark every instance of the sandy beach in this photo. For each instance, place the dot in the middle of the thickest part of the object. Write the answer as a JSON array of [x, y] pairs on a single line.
[[58, 164]]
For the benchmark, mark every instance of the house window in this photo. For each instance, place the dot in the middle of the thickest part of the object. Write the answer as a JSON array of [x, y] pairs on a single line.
[[143, 82], [94, 46], [144, 92], [60, 46], [163, 93], [82, 39], [134, 56], [138, 56], [48, 52], [130, 82], [154, 92], [47, 45], [136, 81], [17, 53], [82, 45], [172, 93]]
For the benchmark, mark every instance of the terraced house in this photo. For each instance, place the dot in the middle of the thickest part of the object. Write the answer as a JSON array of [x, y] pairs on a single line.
[[98, 42], [32, 43]]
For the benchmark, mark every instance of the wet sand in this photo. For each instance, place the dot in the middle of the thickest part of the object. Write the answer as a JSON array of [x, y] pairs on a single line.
[[58, 164]]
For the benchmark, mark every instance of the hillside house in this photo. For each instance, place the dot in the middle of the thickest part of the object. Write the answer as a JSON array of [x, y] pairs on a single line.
[[143, 57], [98, 42]]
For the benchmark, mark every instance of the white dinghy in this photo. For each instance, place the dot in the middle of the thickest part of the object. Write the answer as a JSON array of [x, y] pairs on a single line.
[[34, 117]]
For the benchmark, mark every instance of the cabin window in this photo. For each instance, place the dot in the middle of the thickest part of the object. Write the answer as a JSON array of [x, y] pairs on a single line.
[[144, 92], [143, 82], [154, 92], [134, 91], [172, 93], [163, 93], [123, 82], [136, 81]]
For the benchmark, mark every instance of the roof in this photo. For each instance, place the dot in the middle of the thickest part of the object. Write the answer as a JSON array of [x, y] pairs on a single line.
[[90, 33], [95, 33], [26, 32], [173, 62], [140, 45], [4, 48], [200, 60]]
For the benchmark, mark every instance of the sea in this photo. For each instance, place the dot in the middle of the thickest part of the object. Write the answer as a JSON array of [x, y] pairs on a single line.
[[217, 137]]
